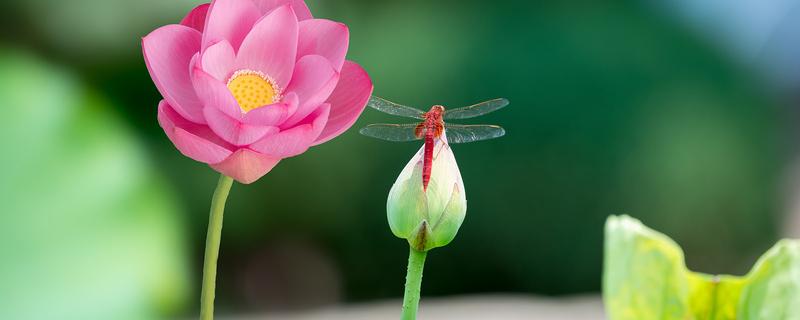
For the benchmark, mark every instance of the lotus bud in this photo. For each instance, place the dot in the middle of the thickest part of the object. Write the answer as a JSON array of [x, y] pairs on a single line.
[[428, 218]]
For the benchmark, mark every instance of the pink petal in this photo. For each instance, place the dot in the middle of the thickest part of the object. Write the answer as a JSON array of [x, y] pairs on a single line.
[[194, 63], [324, 37], [167, 53], [230, 20], [197, 17], [347, 101], [296, 140], [246, 166], [271, 47], [218, 60], [295, 102], [274, 114], [299, 6], [213, 93], [313, 80], [193, 140], [234, 131]]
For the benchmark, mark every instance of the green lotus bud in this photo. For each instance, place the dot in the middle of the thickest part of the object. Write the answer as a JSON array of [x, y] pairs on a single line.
[[428, 217]]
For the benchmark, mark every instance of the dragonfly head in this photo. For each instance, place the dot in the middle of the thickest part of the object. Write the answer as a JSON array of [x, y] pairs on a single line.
[[437, 109]]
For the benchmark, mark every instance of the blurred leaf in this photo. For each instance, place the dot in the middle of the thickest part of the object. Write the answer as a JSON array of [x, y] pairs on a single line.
[[89, 230], [645, 277]]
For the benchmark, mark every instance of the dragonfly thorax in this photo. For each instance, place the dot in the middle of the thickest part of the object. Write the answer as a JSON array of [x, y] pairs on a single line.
[[433, 123], [434, 115]]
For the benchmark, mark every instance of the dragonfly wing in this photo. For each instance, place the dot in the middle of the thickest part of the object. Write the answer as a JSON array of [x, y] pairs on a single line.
[[457, 133], [391, 132], [476, 110], [392, 108]]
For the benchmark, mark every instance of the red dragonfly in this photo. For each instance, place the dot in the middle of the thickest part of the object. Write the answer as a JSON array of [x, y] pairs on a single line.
[[432, 126]]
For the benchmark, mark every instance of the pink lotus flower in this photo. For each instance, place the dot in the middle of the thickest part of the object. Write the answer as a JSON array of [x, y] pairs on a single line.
[[247, 83]]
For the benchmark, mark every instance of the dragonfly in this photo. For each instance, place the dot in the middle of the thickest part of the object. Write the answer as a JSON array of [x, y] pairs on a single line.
[[431, 125]]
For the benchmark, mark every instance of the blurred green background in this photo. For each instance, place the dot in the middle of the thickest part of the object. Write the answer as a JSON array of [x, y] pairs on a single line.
[[679, 113]]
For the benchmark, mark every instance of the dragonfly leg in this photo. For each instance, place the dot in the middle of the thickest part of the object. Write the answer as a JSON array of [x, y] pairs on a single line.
[[444, 145]]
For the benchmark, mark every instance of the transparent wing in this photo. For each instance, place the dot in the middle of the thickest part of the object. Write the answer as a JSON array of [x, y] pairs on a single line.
[[392, 108], [391, 132], [457, 133], [476, 109]]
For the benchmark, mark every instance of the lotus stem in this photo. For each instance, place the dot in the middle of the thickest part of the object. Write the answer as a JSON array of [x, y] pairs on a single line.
[[213, 238], [416, 262]]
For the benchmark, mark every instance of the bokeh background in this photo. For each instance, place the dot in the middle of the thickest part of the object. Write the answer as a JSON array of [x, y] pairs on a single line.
[[681, 113]]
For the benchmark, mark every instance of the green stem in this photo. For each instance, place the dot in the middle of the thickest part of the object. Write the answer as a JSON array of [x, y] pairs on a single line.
[[416, 262], [212, 247]]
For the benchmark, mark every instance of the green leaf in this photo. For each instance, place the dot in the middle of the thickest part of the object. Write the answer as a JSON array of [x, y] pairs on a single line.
[[645, 277], [89, 230]]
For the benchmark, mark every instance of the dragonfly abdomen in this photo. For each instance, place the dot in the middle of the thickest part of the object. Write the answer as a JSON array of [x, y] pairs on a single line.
[[433, 130], [428, 160]]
